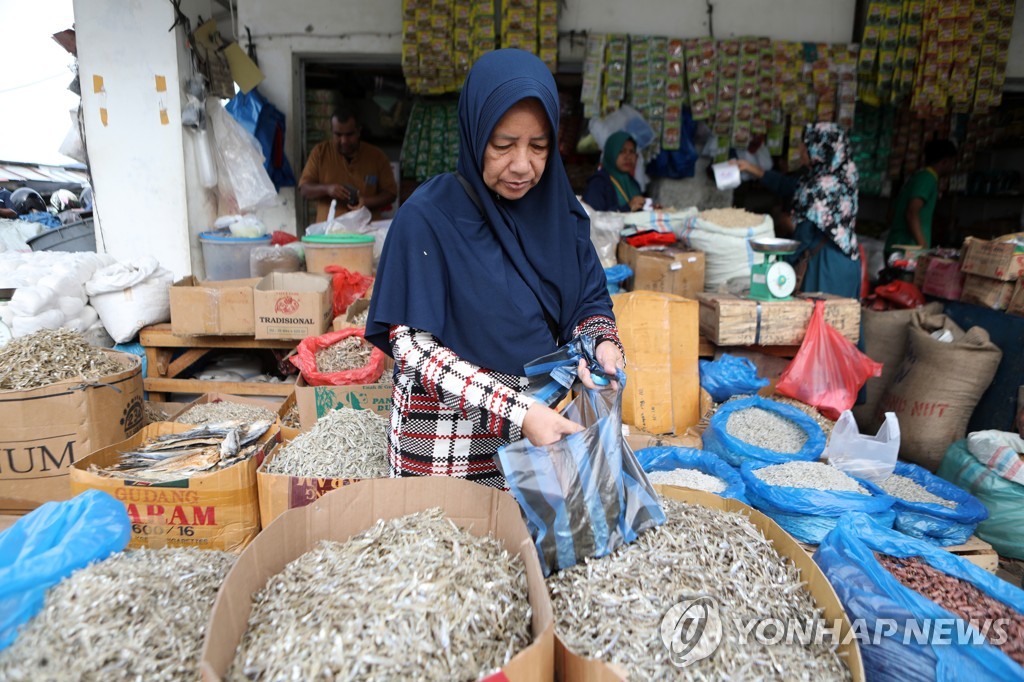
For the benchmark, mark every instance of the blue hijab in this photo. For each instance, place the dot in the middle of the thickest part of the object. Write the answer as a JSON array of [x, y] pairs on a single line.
[[481, 281]]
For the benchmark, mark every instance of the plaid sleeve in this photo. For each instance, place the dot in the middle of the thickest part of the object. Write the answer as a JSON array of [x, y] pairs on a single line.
[[472, 391], [600, 328]]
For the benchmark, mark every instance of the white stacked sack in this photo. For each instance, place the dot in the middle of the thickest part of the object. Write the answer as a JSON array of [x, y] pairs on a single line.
[[130, 296]]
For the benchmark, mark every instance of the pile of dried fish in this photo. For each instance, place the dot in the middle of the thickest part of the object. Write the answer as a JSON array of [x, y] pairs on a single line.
[[135, 616], [814, 475], [154, 413], [224, 411], [766, 429], [176, 456], [351, 352], [410, 598], [688, 478], [291, 418], [612, 608], [821, 420], [48, 356], [360, 319], [345, 443], [909, 490]]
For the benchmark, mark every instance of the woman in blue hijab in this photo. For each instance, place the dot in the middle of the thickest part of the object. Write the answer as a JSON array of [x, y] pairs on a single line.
[[612, 187], [483, 271]]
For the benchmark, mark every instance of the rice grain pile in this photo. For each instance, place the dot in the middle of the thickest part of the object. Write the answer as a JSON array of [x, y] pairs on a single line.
[[731, 217]]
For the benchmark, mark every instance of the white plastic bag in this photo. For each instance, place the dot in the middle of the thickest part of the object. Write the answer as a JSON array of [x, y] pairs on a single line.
[[25, 325], [241, 179], [625, 118], [130, 296], [353, 221], [869, 457], [605, 229]]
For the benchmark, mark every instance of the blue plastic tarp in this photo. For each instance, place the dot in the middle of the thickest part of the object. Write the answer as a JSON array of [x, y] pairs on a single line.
[[672, 458]]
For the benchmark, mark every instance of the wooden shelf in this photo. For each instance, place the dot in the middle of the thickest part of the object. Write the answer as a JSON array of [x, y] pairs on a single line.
[[161, 336], [158, 386]]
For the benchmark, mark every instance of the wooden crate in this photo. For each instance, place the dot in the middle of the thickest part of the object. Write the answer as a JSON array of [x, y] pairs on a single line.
[[975, 550], [730, 320]]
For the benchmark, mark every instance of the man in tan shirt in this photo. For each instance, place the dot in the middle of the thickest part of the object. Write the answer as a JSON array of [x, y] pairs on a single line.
[[344, 162]]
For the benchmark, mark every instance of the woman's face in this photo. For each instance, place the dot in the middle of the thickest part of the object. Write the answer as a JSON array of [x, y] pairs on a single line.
[[626, 160], [518, 150]]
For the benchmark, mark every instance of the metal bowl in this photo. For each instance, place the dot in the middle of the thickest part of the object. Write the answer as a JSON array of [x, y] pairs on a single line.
[[774, 245]]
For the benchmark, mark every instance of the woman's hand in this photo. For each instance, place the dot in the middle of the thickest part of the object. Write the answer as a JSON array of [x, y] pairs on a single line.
[[636, 203], [543, 426], [609, 357], [747, 167]]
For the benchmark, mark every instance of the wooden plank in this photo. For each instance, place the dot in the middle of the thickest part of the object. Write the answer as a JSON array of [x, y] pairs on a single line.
[[6, 521], [705, 348], [729, 320], [161, 336], [162, 385], [184, 361]]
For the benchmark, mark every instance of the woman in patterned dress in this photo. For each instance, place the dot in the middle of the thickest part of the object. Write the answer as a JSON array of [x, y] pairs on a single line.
[[483, 271]]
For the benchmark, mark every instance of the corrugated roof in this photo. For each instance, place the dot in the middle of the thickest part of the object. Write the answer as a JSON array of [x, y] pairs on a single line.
[[15, 172]]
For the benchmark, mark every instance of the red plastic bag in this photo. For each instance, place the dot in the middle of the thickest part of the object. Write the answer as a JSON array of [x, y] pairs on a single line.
[[305, 360], [279, 238], [650, 238], [901, 294], [347, 286], [828, 370]]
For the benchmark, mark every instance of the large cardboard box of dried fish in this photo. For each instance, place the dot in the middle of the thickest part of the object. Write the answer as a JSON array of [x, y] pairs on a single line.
[[45, 428], [211, 408], [316, 401], [427, 578], [292, 305], [659, 334], [215, 308], [768, 608], [731, 320], [175, 494]]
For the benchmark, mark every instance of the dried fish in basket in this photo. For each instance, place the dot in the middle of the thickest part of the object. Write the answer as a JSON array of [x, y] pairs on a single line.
[[176, 456], [135, 616], [352, 352], [345, 443], [49, 356], [411, 598], [225, 410]]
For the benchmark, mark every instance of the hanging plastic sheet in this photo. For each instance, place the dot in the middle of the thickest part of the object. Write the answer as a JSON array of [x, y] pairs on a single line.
[[586, 494], [264, 122], [728, 376], [49, 544], [672, 458]]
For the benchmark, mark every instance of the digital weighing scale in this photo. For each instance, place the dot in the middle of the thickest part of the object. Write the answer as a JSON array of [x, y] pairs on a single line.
[[773, 279]]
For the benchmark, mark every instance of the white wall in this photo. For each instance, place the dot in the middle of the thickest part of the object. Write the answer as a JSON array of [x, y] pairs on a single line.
[[137, 161]]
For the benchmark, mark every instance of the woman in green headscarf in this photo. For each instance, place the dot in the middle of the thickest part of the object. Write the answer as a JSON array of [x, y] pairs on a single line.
[[612, 187]]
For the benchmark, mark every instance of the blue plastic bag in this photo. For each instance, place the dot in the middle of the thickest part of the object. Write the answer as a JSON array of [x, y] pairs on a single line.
[[671, 458], [552, 376], [869, 593], [734, 451], [47, 545], [586, 494], [616, 275], [728, 376], [933, 522], [264, 122], [809, 514]]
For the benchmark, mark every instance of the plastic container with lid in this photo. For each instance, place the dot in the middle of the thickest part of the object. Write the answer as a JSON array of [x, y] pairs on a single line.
[[227, 257], [351, 251]]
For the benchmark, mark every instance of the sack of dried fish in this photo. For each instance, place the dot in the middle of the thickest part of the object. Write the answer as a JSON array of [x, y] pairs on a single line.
[[218, 409], [762, 431], [614, 608], [369, 583], [134, 616], [339, 358], [664, 464], [47, 545], [913, 637], [586, 494], [930, 508], [183, 486], [345, 446], [808, 498]]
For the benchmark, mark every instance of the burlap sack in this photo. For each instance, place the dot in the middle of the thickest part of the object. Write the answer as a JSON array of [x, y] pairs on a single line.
[[885, 341], [937, 386]]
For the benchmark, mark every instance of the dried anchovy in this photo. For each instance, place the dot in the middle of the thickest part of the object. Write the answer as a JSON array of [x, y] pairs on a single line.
[[345, 443], [360, 319], [48, 356], [821, 420], [814, 475], [731, 217], [135, 616], [291, 418], [224, 410], [611, 608], [688, 478], [154, 413], [410, 598], [766, 429], [351, 352], [909, 490]]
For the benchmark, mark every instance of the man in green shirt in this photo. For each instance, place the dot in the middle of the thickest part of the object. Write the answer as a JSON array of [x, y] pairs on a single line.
[[915, 205]]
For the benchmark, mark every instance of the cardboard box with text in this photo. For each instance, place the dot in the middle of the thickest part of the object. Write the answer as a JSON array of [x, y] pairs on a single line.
[[214, 308], [292, 305], [987, 292], [316, 401], [667, 269]]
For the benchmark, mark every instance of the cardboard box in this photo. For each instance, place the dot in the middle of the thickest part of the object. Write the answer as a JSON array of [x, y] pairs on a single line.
[[43, 431], [572, 668], [279, 492], [274, 405], [987, 292], [1016, 306], [638, 440], [730, 320], [345, 321], [943, 278], [994, 259], [351, 510], [214, 308], [218, 510], [316, 401], [667, 269], [659, 334], [292, 305]]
